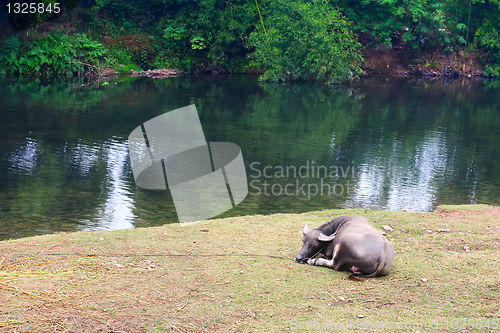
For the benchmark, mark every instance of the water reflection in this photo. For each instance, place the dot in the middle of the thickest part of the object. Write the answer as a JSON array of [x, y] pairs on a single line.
[[117, 211], [64, 163], [393, 185], [82, 156], [24, 159]]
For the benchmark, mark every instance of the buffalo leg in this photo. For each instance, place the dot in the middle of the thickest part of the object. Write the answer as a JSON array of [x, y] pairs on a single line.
[[324, 262], [321, 262]]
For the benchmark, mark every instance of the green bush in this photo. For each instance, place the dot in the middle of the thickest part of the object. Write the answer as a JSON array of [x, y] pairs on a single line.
[[12, 44], [305, 40], [421, 23], [123, 63], [492, 70], [488, 40], [58, 53]]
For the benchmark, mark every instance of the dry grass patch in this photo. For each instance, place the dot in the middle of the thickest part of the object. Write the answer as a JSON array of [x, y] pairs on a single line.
[[446, 267]]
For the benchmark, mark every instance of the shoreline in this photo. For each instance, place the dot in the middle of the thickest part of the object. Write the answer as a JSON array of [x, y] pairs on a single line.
[[438, 209]]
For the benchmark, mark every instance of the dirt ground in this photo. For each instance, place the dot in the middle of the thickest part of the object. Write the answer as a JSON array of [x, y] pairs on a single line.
[[238, 275], [401, 61]]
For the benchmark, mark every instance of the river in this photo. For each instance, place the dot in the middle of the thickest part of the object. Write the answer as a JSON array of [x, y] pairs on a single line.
[[378, 143]]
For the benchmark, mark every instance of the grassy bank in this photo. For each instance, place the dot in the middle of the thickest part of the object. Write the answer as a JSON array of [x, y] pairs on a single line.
[[123, 281]]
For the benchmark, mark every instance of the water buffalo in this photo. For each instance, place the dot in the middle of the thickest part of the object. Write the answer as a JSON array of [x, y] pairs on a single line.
[[347, 243]]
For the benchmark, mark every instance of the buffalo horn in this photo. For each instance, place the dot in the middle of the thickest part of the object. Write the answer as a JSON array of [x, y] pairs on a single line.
[[324, 238], [306, 229]]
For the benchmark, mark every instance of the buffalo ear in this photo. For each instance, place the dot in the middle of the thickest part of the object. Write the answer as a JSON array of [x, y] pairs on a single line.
[[306, 229], [324, 238]]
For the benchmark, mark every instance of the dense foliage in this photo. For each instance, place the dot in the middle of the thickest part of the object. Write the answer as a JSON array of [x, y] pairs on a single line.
[[287, 39], [488, 39], [57, 53], [449, 26], [193, 34], [305, 40], [420, 22]]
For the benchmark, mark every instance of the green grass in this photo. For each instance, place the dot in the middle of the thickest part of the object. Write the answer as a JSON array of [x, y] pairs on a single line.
[[122, 280], [463, 207]]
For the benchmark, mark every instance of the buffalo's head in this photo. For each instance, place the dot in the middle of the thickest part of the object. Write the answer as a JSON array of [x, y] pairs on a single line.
[[313, 243]]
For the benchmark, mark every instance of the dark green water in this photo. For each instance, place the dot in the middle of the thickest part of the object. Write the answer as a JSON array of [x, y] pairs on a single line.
[[377, 143]]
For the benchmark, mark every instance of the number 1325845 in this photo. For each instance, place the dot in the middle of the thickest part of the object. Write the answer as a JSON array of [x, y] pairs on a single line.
[[33, 8]]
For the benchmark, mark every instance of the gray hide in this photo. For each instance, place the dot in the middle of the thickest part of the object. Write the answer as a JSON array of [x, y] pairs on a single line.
[[348, 243]]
